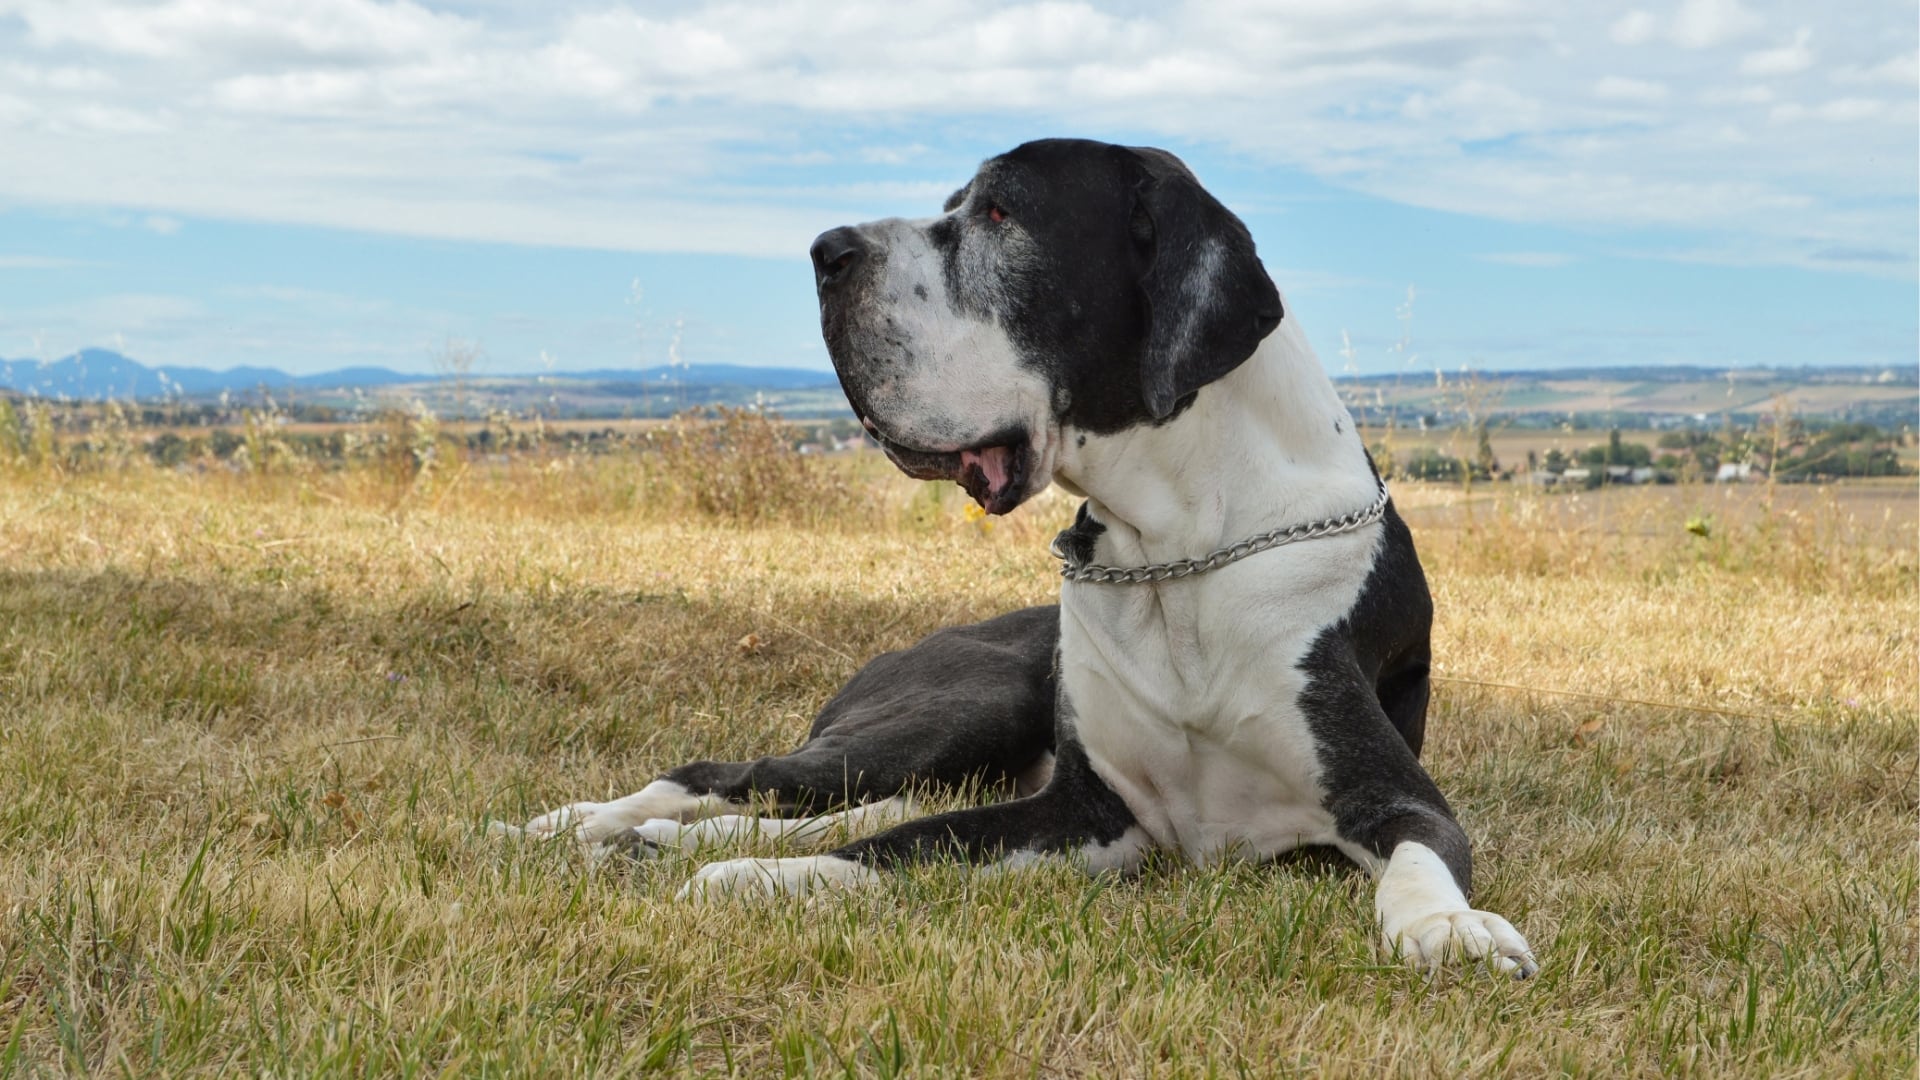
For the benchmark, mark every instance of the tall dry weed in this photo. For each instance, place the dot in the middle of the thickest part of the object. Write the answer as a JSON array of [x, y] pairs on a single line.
[[741, 465]]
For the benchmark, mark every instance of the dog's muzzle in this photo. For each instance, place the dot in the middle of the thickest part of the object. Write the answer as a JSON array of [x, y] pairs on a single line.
[[994, 472]]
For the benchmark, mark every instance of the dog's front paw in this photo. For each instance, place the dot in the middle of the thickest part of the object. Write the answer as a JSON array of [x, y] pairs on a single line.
[[774, 877], [1430, 941]]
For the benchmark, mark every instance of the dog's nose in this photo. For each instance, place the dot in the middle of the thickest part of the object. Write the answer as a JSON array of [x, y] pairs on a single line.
[[835, 253]]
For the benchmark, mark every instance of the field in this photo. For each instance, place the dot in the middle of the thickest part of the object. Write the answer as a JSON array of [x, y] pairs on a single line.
[[253, 727]]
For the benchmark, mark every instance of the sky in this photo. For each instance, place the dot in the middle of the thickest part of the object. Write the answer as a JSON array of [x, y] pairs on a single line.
[[1434, 184]]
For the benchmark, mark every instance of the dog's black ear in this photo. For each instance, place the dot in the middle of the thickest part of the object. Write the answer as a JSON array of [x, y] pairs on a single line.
[[1209, 301]]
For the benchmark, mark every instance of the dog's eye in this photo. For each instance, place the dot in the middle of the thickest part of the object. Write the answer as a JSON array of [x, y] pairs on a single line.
[[996, 215]]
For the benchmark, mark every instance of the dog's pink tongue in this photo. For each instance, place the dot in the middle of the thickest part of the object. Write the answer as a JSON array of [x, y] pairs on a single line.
[[985, 472]]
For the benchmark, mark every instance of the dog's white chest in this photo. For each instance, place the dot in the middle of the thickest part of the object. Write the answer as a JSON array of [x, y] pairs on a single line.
[[1188, 705]]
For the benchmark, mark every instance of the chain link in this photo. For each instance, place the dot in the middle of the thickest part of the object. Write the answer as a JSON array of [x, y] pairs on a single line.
[[1232, 553]]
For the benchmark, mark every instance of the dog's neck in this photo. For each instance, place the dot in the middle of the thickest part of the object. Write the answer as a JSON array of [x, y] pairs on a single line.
[[1268, 445]]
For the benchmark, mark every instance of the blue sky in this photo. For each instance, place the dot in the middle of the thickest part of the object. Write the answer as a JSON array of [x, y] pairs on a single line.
[[312, 184]]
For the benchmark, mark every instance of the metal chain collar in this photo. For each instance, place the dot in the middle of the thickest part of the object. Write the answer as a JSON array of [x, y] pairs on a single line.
[[1233, 553]]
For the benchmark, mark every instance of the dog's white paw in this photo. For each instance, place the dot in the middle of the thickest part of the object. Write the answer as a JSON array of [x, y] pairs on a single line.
[[593, 823], [586, 822], [1465, 935], [1425, 918], [774, 877]]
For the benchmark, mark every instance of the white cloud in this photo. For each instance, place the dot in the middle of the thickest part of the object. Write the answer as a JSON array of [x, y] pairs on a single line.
[[1619, 88], [1785, 60], [333, 29], [1738, 95], [1839, 110], [724, 125], [63, 78], [1702, 24], [1901, 69], [1636, 27]]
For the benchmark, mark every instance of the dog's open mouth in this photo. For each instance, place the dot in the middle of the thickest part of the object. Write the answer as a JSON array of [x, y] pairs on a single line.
[[993, 472]]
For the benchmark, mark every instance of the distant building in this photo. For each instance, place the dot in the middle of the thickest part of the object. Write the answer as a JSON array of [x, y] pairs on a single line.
[[1733, 472]]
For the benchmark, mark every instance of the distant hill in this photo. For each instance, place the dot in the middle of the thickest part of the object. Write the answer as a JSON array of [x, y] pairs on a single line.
[[96, 374], [1640, 397], [1622, 396], [1908, 376]]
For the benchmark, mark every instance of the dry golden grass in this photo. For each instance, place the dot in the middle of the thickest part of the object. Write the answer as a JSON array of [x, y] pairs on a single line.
[[252, 727]]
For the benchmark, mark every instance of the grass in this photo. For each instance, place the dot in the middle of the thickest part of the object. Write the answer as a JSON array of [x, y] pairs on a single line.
[[252, 727]]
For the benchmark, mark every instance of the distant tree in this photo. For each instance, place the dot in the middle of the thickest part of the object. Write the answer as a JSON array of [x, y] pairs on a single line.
[[1842, 450], [1427, 463], [167, 449], [1615, 452]]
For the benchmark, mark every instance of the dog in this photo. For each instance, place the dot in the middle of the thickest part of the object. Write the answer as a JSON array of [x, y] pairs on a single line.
[[1239, 662]]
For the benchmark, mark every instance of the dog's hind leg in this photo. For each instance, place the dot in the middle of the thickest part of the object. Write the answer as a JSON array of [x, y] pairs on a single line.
[[967, 704], [1077, 819], [740, 828]]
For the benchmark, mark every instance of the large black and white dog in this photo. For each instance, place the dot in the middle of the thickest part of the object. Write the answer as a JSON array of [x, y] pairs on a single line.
[[1087, 315]]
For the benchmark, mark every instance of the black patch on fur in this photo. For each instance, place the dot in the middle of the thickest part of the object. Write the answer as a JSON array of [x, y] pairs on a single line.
[[1076, 542], [967, 703], [1209, 300], [1076, 809], [1119, 234]]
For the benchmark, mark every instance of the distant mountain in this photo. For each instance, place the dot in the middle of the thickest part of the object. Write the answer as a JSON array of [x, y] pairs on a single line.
[[764, 378], [1672, 373], [93, 374]]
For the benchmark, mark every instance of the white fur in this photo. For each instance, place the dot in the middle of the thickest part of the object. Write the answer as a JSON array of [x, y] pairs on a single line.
[[748, 878], [733, 828], [960, 380], [774, 877], [1426, 921], [595, 823]]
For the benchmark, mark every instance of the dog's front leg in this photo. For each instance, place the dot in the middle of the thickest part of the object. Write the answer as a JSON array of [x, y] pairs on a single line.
[[1076, 819], [1421, 898]]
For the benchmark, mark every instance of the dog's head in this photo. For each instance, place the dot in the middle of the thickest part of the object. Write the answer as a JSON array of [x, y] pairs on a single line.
[[1070, 287]]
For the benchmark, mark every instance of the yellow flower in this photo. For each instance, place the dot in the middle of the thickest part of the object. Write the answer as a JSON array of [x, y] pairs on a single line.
[[977, 516]]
